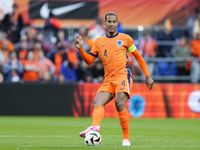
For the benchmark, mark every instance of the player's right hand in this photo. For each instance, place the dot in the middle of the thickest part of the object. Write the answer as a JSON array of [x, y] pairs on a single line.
[[78, 42], [149, 82]]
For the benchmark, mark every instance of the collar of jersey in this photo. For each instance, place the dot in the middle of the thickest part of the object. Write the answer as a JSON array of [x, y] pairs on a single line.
[[112, 36]]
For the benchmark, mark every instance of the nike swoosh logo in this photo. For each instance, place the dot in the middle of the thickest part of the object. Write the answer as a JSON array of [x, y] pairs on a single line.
[[44, 11], [103, 45]]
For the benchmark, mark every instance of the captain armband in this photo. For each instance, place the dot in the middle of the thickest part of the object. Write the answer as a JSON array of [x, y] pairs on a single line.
[[132, 48]]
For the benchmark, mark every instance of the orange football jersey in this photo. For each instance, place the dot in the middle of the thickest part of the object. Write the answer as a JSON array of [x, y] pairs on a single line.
[[113, 52]]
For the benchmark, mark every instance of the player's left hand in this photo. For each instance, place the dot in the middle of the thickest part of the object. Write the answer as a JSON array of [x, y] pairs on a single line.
[[149, 82]]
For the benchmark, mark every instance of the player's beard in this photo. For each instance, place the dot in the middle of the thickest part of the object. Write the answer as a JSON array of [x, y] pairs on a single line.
[[112, 32]]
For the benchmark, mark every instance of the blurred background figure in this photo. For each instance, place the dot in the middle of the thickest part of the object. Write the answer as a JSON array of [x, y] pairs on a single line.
[[58, 58], [83, 71], [98, 72], [147, 47], [119, 28], [12, 23], [31, 68], [37, 46], [1, 58], [61, 79], [182, 50], [72, 54], [195, 50], [193, 24], [166, 39], [45, 66], [1, 77], [46, 45], [97, 29], [165, 36], [22, 48], [87, 43], [30, 32], [68, 70], [13, 68], [46, 77], [61, 37], [52, 24], [6, 45]]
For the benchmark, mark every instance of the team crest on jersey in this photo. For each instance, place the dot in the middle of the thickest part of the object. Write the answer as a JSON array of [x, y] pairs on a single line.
[[119, 43]]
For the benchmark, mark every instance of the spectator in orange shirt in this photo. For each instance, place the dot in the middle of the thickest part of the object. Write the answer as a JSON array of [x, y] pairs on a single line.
[[31, 68], [45, 65], [58, 58], [195, 47], [72, 55], [6, 45], [147, 47]]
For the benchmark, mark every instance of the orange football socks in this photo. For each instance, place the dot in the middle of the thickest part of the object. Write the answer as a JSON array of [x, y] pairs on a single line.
[[98, 114], [124, 122]]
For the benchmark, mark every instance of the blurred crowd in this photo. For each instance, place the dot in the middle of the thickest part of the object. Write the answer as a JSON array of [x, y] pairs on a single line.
[[185, 50], [27, 56]]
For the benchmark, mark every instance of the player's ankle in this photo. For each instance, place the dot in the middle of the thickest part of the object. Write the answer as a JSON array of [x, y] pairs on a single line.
[[95, 124]]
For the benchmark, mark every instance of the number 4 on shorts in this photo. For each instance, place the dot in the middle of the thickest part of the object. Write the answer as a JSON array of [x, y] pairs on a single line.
[[123, 83]]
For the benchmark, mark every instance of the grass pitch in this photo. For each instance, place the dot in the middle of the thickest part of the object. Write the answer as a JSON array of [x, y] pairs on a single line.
[[61, 133]]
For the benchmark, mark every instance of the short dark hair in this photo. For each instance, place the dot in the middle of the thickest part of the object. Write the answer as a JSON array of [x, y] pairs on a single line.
[[110, 13]]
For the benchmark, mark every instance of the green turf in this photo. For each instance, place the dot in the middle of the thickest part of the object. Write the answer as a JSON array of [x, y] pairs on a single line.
[[61, 133]]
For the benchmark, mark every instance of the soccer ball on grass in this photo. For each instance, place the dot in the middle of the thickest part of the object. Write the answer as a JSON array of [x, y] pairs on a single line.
[[92, 138]]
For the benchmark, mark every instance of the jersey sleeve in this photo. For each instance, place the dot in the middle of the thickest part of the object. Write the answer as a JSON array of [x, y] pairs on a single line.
[[95, 49], [130, 44]]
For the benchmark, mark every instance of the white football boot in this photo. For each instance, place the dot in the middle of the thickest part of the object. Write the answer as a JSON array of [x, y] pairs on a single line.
[[126, 142]]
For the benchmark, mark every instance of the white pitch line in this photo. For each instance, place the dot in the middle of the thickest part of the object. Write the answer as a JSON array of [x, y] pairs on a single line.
[[48, 136], [31, 136], [98, 146]]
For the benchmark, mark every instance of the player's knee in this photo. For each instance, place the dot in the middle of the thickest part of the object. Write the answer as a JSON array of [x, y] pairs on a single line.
[[120, 105], [96, 103]]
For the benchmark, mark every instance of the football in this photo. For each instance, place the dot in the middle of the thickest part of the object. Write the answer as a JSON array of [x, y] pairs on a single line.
[[92, 138]]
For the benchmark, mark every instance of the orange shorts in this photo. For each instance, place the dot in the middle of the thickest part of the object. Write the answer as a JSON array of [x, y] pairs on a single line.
[[116, 84]]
